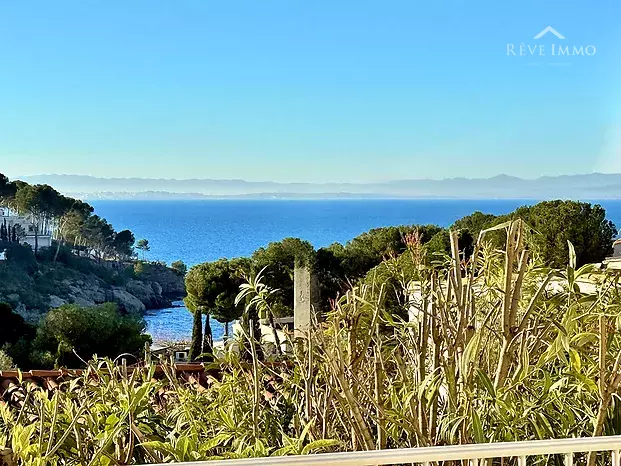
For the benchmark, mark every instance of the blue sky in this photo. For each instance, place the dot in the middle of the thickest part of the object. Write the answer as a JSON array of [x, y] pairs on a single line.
[[307, 90]]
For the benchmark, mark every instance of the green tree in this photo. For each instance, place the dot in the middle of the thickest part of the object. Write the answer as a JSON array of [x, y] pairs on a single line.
[[13, 326], [439, 244], [211, 290], [554, 223], [179, 267], [339, 266], [71, 216], [4, 233], [230, 276], [279, 260], [471, 225], [86, 331], [195, 285], [7, 190], [123, 244], [39, 204], [369, 249], [99, 236], [143, 245]]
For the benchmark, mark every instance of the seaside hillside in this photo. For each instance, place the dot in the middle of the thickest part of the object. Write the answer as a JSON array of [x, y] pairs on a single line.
[[34, 286], [54, 250]]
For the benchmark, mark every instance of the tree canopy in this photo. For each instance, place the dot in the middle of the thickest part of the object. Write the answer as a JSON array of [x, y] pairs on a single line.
[[179, 267], [279, 260], [71, 220], [100, 330], [13, 325], [211, 290], [552, 224]]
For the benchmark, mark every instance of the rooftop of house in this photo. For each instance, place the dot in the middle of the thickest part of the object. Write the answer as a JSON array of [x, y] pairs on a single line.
[[14, 383]]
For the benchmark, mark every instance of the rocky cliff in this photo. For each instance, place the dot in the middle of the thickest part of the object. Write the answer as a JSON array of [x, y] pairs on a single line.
[[32, 287], [135, 296]]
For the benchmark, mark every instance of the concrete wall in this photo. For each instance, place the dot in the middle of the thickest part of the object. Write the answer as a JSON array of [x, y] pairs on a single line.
[[43, 241]]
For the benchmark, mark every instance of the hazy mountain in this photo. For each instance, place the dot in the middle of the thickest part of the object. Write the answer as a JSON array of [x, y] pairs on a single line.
[[588, 186]]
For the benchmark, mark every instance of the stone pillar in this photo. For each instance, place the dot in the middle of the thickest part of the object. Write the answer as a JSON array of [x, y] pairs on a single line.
[[305, 300]]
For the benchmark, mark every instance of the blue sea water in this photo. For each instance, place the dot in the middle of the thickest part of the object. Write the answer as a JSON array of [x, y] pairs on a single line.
[[206, 230]]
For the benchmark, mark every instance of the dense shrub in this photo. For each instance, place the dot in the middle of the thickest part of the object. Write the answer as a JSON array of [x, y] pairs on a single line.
[[179, 267], [6, 363], [12, 325], [552, 224], [71, 331], [19, 255]]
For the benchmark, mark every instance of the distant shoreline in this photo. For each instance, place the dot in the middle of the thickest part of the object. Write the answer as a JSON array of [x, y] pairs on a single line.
[[580, 186], [137, 197]]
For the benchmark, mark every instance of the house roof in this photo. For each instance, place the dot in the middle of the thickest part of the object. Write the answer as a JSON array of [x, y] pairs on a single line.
[[13, 383]]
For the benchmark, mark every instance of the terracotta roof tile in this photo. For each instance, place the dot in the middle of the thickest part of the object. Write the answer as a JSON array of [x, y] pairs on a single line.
[[12, 391]]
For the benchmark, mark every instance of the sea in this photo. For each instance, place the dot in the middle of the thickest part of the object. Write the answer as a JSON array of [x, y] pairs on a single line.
[[196, 231]]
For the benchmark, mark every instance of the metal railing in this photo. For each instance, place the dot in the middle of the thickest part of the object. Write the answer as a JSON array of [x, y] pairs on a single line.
[[474, 454]]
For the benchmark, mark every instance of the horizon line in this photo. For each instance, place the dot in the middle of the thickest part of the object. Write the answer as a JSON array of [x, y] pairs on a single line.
[[500, 175]]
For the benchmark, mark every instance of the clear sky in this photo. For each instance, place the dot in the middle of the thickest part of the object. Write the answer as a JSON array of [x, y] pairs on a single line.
[[307, 90]]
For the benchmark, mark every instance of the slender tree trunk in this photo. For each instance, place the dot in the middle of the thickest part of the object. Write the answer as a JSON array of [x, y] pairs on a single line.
[[36, 232], [226, 331], [58, 245], [197, 336]]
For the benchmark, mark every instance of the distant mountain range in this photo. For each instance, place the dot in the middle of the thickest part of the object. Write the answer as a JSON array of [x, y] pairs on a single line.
[[587, 186]]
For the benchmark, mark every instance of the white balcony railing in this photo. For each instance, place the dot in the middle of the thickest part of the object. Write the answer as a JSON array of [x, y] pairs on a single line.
[[473, 453]]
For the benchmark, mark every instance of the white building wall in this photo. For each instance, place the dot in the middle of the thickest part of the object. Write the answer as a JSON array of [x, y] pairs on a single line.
[[8, 218]]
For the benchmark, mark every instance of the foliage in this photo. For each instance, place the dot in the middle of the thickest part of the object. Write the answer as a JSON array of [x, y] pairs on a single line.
[[109, 415], [71, 220], [553, 224], [179, 267], [259, 300], [211, 289], [20, 255], [123, 244], [279, 260], [71, 331], [497, 348], [370, 248], [143, 245], [7, 189], [13, 325], [6, 363], [557, 222]]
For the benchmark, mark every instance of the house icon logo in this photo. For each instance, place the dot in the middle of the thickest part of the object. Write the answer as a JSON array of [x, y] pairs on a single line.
[[553, 51], [551, 30]]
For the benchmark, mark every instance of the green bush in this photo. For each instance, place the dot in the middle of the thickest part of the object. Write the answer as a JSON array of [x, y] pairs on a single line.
[[20, 255], [6, 363], [71, 331], [13, 325]]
